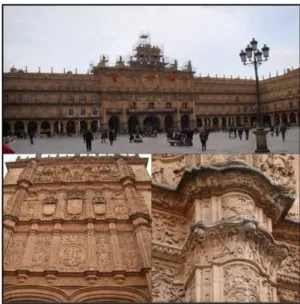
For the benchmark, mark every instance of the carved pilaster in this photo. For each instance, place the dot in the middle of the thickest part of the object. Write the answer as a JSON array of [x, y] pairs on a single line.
[[53, 262], [109, 206], [91, 247], [117, 262], [60, 204], [89, 203], [26, 262]]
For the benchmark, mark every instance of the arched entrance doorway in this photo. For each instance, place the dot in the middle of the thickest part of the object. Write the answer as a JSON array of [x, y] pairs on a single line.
[[19, 128], [230, 121], [58, 128], [215, 122], [83, 126], [71, 127], [245, 120], [253, 121], [114, 123], [168, 123], [184, 122], [45, 128], [32, 127], [284, 118], [292, 118], [224, 122], [199, 122], [133, 124], [277, 119], [267, 120], [6, 129], [238, 121], [94, 126], [152, 123]]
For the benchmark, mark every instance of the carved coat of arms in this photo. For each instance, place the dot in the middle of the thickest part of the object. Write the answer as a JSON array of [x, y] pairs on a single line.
[[49, 206], [99, 205], [74, 206]]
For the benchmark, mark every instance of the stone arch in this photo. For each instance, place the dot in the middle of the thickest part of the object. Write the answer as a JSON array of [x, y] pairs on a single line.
[[267, 120], [6, 129], [199, 122], [292, 117], [33, 293], [45, 127], [109, 294], [71, 127], [32, 127], [224, 123], [238, 121], [19, 127], [215, 122], [253, 120], [94, 126], [114, 123], [152, 123], [168, 122], [284, 118], [83, 126], [184, 121], [245, 120], [133, 124]]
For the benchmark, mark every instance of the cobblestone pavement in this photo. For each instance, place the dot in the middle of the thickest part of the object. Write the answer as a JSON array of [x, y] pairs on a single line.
[[217, 143]]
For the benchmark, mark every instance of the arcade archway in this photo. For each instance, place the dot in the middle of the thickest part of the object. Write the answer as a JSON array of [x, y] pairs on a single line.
[[253, 121], [32, 127], [6, 129], [238, 121], [199, 122], [185, 122], [284, 118], [245, 120], [45, 128], [71, 127], [133, 124], [224, 124], [83, 126], [277, 119], [215, 122], [152, 123], [19, 128], [267, 120], [94, 126], [114, 123], [168, 123], [292, 118]]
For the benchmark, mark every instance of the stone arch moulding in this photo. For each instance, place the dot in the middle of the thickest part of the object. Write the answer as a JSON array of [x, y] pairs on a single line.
[[109, 294], [34, 293], [207, 181]]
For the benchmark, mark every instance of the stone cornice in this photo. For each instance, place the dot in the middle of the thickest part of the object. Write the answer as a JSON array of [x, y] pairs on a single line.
[[288, 230], [208, 180]]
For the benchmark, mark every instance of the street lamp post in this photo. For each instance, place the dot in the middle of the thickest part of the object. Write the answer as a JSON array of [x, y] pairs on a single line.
[[260, 132]]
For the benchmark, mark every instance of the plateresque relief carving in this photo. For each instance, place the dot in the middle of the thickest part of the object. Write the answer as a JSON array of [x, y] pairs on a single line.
[[41, 251], [103, 253]]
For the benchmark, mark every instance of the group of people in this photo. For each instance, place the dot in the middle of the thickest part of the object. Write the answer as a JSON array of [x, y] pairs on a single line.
[[233, 131], [279, 129], [88, 138]]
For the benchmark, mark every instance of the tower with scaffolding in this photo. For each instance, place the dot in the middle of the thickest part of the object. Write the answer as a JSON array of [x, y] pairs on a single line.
[[147, 55]]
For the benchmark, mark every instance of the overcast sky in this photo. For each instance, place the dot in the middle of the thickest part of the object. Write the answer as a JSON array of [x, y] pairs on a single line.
[[12, 157], [211, 37]]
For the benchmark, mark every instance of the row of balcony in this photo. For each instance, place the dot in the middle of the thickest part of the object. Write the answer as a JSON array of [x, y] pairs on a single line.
[[156, 110]]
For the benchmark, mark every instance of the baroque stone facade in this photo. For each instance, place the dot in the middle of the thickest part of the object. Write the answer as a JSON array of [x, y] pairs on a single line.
[[77, 229], [145, 91], [223, 230]]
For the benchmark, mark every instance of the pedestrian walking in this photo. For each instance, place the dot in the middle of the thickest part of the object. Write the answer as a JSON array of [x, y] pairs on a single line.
[[240, 132], [31, 136], [131, 138], [247, 130], [203, 138], [277, 130], [88, 137], [111, 137], [272, 130], [283, 130]]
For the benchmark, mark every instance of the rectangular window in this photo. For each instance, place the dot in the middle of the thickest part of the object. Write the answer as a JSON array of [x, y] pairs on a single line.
[[168, 105], [95, 112], [70, 112], [291, 105], [82, 111], [184, 105]]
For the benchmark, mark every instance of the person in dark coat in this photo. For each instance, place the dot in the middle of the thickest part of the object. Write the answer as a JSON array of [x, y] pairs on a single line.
[[240, 132], [88, 137], [272, 130], [283, 130], [277, 130], [131, 138], [203, 138], [247, 130], [111, 137], [31, 136]]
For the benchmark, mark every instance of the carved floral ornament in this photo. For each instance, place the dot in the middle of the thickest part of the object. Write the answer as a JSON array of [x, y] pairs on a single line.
[[241, 239], [207, 181]]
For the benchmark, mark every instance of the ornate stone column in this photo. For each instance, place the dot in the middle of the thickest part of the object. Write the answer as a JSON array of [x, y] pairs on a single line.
[[53, 262], [26, 263], [8, 231], [52, 127], [39, 127]]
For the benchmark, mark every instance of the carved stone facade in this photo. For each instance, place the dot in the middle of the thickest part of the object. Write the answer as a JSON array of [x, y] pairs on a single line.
[[222, 228], [142, 91], [76, 230]]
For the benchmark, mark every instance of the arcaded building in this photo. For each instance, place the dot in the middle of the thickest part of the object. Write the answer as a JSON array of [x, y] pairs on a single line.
[[145, 90], [77, 229], [225, 228]]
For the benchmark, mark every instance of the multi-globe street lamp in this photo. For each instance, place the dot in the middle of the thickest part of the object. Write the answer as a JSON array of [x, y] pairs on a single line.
[[252, 51]]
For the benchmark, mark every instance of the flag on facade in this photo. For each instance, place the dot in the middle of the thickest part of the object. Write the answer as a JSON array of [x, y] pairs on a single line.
[[114, 77], [134, 79]]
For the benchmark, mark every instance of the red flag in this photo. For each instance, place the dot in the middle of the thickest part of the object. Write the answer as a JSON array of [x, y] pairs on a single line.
[[134, 79], [172, 78], [114, 78]]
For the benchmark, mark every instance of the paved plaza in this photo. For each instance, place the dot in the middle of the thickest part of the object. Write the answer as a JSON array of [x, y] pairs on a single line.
[[217, 143]]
